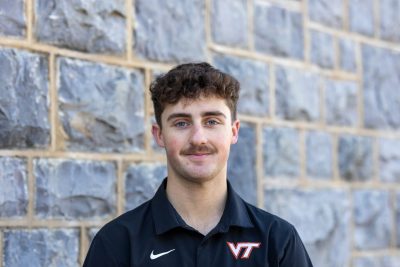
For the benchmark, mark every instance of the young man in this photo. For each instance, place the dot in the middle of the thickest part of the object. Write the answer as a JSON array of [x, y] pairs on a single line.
[[196, 218]]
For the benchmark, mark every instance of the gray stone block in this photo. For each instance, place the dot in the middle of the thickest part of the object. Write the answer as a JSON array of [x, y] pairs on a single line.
[[229, 22], [101, 106], [341, 103], [366, 261], [41, 247], [390, 261], [370, 261], [322, 218], [253, 77], [170, 32], [322, 50], [12, 18], [281, 152], [390, 20], [327, 12], [319, 155], [142, 182], [361, 16], [355, 158], [24, 107], [373, 220], [389, 160], [347, 58], [95, 27], [242, 164], [13, 187], [278, 31], [397, 214], [381, 68], [74, 189], [297, 95]]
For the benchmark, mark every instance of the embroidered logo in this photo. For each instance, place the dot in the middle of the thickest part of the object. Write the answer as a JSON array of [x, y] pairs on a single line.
[[247, 247], [155, 256]]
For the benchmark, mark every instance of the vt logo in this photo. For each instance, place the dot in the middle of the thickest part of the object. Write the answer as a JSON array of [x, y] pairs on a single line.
[[247, 247]]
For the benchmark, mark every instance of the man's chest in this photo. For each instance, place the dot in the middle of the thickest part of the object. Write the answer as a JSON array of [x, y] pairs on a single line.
[[191, 249]]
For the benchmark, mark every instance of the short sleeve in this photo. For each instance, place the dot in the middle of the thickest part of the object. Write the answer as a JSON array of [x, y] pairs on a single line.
[[295, 253], [99, 254]]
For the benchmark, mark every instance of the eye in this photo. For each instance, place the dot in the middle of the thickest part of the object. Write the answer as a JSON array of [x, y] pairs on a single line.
[[181, 124], [212, 122]]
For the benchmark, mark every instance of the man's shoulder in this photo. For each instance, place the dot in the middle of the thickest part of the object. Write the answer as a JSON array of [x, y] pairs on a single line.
[[280, 234], [127, 223], [268, 221], [113, 242]]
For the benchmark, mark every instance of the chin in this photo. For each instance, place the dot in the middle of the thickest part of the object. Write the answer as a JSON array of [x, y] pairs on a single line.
[[200, 177]]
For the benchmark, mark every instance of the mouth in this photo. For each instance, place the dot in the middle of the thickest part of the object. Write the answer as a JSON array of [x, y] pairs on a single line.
[[198, 156]]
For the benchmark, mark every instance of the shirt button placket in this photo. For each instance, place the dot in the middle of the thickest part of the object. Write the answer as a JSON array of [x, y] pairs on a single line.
[[202, 257]]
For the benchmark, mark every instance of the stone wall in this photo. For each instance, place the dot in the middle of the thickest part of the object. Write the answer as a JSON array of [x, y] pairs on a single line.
[[320, 111]]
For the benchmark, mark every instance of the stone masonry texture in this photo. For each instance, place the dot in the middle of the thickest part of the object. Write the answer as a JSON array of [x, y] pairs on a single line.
[[41, 247], [389, 160], [381, 97], [230, 22], [12, 18], [362, 16], [159, 34], [322, 51], [319, 139], [389, 20], [278, 31], [297, 95], [322, 220], [397, 218], [373, 219], [24, 111], [142, 182], [254, 93], [92, 26], [341, 103], [281, 152], [241, 165], [13, 187], [319, 155], [382, 261], [355, 158], [347, 59], [74, 189], [101, 107], [326, 12]]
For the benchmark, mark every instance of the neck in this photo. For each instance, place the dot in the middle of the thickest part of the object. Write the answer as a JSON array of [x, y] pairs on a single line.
[[200, 205]]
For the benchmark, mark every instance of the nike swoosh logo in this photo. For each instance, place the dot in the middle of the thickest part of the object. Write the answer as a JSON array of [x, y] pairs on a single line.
[[155, 256]]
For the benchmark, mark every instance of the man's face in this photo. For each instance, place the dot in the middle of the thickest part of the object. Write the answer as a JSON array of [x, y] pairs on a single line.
[[197, 135]]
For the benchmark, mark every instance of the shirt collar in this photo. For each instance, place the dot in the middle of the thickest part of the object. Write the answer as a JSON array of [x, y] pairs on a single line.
[[235, 212], [166, 217]]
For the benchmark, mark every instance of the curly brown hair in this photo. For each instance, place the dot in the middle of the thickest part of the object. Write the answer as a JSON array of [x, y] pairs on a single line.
[[191, 81]]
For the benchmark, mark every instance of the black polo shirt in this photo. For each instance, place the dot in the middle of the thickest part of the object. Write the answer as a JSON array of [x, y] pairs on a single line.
[[154, 234]]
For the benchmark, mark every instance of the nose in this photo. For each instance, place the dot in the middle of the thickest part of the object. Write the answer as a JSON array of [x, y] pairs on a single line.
[[198, 136]]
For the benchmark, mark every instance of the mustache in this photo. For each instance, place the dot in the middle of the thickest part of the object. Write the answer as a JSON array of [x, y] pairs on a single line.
[[203, 149]]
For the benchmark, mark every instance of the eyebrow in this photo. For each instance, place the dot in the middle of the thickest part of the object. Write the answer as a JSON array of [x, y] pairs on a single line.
[[213, 113], [187, 115]]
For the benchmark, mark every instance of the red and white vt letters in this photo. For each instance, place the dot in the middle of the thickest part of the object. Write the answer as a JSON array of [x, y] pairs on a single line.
[[240, 246]]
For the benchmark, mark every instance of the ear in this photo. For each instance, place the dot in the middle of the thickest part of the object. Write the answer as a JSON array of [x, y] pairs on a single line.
[[235, 131], [157, 135]]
